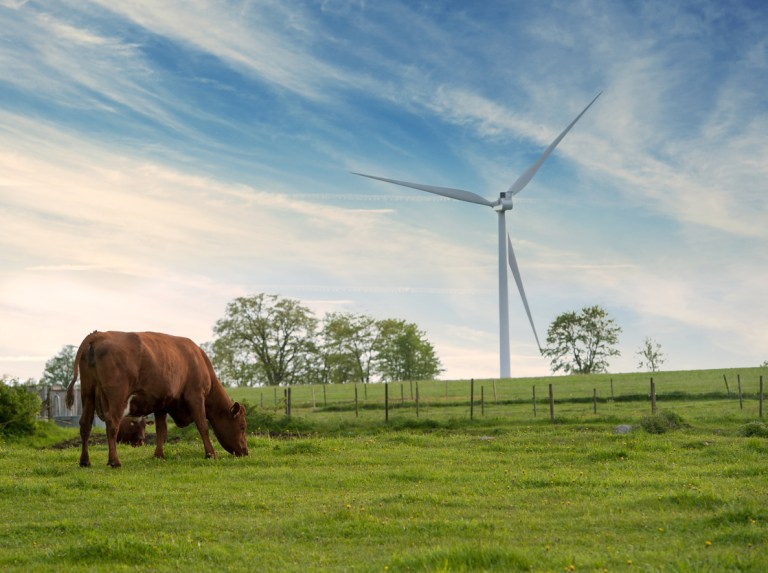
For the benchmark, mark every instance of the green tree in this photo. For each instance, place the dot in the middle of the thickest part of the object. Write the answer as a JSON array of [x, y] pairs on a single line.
[[651, 356], [404, 353], [18, 408], [582, 343], [59, 369], [232, 367], [348, 346], [264, 340]]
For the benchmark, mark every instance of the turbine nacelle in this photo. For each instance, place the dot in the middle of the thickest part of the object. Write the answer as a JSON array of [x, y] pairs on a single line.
[[504, 203]]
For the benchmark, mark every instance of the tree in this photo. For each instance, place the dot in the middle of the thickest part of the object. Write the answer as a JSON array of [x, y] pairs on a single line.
[[59, 369], [651, 356], [264, 340], [582, 343], [404, 353], [348, 346]]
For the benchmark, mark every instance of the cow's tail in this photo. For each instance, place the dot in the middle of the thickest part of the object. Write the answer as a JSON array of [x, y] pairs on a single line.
[[84, 345]]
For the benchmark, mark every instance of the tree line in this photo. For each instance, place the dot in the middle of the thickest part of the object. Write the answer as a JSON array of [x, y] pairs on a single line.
[[268, 340]]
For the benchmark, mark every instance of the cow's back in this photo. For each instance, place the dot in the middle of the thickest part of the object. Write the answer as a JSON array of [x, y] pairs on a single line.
[[153, 371]]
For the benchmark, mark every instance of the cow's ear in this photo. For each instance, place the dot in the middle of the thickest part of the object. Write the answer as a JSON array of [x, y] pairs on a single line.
[[235, 409]]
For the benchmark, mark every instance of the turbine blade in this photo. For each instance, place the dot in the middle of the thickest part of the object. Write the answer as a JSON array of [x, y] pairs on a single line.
[[519, 281], [526, 177], [459, 194]]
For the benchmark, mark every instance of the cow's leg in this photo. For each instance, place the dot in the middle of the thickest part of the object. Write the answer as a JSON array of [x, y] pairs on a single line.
[[161, 434], [113, 424], [198, 415], [113, 413], [86, 422]]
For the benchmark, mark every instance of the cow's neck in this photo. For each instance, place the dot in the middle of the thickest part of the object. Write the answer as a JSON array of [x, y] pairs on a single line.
[[218, 401]]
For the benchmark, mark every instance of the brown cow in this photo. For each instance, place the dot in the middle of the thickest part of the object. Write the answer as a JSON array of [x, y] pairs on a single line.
[[133, 431], [139, 373]]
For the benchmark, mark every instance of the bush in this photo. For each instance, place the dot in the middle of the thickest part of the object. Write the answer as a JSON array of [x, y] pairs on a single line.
[[754, 429], [18, 410], [662, 422]]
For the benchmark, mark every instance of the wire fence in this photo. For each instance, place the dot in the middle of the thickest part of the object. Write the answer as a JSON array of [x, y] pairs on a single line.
[[724, 393]]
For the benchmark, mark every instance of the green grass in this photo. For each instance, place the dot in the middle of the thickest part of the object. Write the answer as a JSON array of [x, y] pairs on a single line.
[[329, 491]]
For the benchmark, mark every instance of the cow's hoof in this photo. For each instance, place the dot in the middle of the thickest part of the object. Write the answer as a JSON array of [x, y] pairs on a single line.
[[85, 463], [114, 464]]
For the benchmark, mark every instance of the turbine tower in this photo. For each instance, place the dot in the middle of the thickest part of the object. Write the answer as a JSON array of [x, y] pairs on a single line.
[[506, 253]]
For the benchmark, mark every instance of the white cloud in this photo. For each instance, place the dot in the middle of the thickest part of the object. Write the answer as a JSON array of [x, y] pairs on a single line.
[[267, 39]]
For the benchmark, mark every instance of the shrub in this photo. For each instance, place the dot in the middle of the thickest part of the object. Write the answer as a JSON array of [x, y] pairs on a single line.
[[18, 410], [662, 422], [754, 429]]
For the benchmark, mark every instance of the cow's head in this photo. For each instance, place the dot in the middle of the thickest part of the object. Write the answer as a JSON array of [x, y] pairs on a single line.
[[230, 430], [132, 431]]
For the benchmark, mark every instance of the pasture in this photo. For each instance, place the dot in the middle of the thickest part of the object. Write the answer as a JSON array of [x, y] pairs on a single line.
[[329, 490]]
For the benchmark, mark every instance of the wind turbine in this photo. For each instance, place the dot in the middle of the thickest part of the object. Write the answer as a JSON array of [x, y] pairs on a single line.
[[501, 206]]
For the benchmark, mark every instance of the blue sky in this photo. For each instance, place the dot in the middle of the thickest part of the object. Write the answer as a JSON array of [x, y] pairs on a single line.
[[158, 159]]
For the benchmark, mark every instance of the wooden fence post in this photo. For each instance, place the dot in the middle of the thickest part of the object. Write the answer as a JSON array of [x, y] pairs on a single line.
[[287, 396], [446, 389], [551, 404], [594, 400], [386, 401], [411, 381], [738, 382], [611, 389], [482, 400], [727, 389], [472, 399], [495, 399], [417, 399], [653, 397], [275, 398], [357, 410], [325, 398], [534, 401], [314, 402], [761, 395]]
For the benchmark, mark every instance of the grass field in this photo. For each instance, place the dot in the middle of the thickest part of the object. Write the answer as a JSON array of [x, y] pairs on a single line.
[[339, 492]]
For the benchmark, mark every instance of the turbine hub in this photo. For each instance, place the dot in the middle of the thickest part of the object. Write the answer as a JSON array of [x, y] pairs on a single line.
[[504, 203]]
